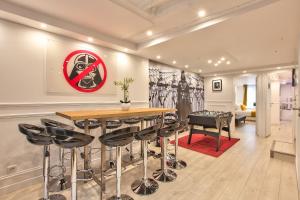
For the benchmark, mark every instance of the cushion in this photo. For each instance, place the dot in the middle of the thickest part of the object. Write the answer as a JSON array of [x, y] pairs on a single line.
[[253, 113], [243, 107]]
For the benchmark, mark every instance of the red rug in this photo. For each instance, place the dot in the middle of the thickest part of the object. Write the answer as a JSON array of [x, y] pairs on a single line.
[[206, 144]]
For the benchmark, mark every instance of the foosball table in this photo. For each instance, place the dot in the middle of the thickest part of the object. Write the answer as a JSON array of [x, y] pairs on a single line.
[[216, 121]]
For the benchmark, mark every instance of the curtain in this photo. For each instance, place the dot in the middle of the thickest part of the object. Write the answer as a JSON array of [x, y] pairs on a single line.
[[245, 95]]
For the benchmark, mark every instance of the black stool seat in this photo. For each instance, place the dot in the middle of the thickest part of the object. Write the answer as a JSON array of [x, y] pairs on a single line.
[[113, 124], [170, 118], [35, 134], [133, 120], [182, 126], [68, 138], [53, 123], [167, 131], [147, 134], [120, 137], [150, 118], [92, 124]]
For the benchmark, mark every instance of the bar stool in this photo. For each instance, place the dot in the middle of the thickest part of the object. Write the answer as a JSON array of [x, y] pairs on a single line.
[[178, 164], [164, 174], [131, 122], [87, 126], [118, 139], [36, 135], [61, 182], [69, 139], [110, 126], [150, 120], [146, 185], [169, 119]]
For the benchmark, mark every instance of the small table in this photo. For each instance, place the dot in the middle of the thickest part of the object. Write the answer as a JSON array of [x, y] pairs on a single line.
[[239, 119], [105, 114]]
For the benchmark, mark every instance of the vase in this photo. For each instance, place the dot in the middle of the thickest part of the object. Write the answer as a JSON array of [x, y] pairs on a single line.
[[125, 106]]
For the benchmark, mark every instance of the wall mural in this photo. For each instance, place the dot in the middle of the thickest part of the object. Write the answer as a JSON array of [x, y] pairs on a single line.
[[173, 88]]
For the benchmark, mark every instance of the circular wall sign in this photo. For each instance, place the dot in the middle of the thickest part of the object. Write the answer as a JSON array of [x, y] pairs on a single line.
[[85, 71]]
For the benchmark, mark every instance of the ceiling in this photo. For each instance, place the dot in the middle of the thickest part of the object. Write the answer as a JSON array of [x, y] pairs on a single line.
[[248, 33]]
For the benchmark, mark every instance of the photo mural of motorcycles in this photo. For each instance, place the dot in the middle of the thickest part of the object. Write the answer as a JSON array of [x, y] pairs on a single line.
[[175, 88]]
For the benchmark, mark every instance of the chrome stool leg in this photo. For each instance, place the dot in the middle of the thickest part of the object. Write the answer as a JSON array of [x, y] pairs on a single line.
[[46, 165], [164, 174], [62, 182], [147, 185], [118, 195], [176, 164], [74, 174]]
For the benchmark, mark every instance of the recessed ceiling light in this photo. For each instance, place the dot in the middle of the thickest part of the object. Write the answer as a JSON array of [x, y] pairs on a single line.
[[219, 62], [174, 62], [278, 67], [158, 57], [215, 74], [43, 25], [223, 58], [216, 64], [126, 50], [244, 71], [228, 62], [149, 33], [200, 70], [186, 66], [90, 39], [201, 13], [209, 61]]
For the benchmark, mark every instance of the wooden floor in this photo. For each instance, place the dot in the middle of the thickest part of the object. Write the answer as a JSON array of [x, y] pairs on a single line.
[[244, 172]]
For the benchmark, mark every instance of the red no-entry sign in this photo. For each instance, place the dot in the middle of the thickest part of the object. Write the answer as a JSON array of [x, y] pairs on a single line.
[[85, 71]]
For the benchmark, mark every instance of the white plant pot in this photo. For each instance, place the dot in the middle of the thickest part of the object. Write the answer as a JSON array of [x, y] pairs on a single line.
[[125, 106]]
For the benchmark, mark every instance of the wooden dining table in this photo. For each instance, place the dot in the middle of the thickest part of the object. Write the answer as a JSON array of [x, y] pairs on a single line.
[[107, 114]]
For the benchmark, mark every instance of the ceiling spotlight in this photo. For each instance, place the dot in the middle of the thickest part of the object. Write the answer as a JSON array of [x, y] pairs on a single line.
[[228, 62], [209, 61], [200, 70], [244, 71], [186, 66], [90, 39], [43, 25], [278, 67], [216, 64], [219, 62], [174, 62], [201, 13], [126, 50], [149, 33], [215, 74], [223, 58], [158, 57]]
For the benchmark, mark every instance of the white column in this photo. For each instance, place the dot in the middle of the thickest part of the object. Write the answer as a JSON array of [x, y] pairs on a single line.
[[263, 116]]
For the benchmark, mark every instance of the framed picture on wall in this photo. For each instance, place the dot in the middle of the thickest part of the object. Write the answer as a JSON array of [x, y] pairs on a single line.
[[217, 85]]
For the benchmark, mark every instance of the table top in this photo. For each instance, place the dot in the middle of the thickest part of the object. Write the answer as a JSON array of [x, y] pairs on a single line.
[[112, 113]]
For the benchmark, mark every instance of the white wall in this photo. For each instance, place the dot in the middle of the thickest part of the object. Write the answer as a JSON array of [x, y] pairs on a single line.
[[296, 121], [23, 96], [275, 102], [223, 100]]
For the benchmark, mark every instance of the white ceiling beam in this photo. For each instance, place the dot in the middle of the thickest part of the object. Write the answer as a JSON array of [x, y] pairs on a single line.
[[210, 21], [17, 13]]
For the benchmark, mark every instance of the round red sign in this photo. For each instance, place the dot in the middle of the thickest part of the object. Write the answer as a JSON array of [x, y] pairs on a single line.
[[85, 71]]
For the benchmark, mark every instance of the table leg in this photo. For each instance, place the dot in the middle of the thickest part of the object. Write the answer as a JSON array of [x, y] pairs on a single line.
[[142, 127], [87, 153], [103, 160]]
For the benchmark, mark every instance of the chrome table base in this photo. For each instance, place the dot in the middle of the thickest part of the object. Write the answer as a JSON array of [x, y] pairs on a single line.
[[57, 185], [55, 197], [123, 197], [144, 187], [165, 176]]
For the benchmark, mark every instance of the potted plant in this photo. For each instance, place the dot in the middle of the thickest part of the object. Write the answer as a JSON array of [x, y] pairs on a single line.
[[124, 85]]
